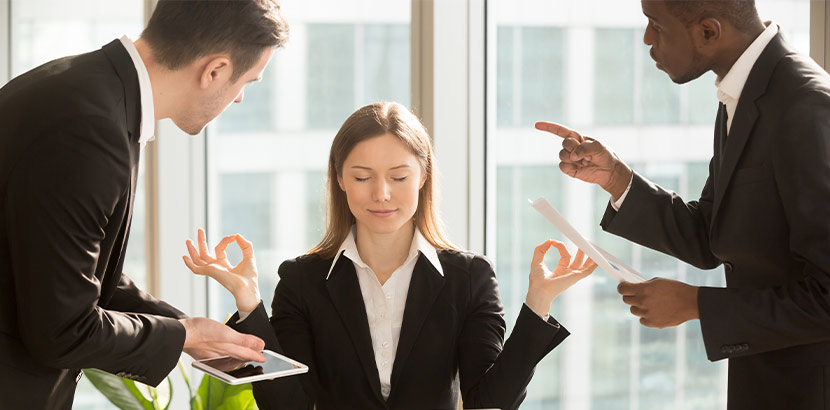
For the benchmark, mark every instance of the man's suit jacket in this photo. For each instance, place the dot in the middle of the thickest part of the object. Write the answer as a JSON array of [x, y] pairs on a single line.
[[68, 164], [764, 214], [452, 338]]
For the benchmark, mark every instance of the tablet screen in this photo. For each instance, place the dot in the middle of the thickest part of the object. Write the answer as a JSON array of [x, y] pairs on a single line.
[[239, 368], [234, 371]]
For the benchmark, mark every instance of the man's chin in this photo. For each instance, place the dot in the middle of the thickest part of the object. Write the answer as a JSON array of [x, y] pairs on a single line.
[[685, 77], [190, 129], [194, 131]]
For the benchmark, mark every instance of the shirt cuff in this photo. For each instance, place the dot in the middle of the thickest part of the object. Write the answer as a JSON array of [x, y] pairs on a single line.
[[545, 317], [243, 316], [616, 204]]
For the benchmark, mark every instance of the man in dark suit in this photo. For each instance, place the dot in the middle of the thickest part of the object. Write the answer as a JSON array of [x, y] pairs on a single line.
[[70, 138], [764, 212]]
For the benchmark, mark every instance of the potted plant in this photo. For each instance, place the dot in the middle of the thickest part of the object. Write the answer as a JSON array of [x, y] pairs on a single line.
[[212, 394]]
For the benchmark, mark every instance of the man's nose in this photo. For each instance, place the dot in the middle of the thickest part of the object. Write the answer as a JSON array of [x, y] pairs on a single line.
[[648, 37], [240, 96]]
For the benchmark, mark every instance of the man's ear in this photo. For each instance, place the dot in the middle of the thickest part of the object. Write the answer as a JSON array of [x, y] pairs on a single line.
[[709, 30], [217, 70]]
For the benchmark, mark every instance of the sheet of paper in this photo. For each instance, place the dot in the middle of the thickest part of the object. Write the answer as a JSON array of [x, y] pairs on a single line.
[[608, 262]]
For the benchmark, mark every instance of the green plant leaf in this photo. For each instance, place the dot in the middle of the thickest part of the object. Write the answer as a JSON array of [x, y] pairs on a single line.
[[160, 396], [119, 391], [186, 379], [217, 395], [196, 403], [212, 393]]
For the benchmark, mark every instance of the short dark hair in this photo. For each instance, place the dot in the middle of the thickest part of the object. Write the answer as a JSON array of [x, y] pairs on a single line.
[[180, 31], [739, 13]]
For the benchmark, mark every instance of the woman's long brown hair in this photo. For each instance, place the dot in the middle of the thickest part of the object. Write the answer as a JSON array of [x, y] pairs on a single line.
[[372, 121]]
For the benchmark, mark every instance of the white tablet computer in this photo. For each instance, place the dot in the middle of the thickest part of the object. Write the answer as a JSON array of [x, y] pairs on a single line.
[[235, 371]]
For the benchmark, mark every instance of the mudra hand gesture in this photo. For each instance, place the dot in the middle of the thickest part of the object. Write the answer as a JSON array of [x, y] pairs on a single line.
[[240, 280], [545, 285]]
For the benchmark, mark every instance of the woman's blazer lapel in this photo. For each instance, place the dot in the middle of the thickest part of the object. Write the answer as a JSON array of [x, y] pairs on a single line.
[[344, 290], [424, 288]]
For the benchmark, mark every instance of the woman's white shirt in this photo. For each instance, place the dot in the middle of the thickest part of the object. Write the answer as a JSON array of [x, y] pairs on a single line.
[[385, 304]]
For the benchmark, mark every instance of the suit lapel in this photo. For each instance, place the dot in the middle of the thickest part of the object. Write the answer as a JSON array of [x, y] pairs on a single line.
[[424, 288], [742, 124], [344, 290], [746, 115], [125, 69]]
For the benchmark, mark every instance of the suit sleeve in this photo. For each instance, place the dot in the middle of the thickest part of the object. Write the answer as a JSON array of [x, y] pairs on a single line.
[[659, 219], [56, 216], [287, 332], [797, 313], [129, 298], [494, 372]]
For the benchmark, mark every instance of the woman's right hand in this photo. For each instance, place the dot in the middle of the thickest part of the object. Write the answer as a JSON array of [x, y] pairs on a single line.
[[240, 280]]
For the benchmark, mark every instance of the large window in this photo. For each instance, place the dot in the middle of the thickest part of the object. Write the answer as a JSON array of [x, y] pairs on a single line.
[[584, 64], [267, 156]]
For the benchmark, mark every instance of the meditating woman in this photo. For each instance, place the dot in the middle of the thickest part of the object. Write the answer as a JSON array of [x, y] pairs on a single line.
[[385, 311]]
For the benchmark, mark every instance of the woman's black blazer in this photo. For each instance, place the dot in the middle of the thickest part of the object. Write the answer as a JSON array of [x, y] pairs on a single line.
[[451, 340]]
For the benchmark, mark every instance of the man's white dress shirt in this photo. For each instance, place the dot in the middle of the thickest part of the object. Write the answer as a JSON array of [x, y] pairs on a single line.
[[732, 84], [148, 115]]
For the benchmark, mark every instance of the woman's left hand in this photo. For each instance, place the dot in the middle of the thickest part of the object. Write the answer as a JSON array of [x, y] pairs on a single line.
[[240, 280], [545, 285]]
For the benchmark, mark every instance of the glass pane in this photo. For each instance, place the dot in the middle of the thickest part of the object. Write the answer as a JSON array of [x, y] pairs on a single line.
[[258, 117], [43, 30], [530, 78], [614, 76], [504, 71], [597, 66], [331, 74], [660, 100], [701, 107], [267, 156], [542, 73], [383, 45]]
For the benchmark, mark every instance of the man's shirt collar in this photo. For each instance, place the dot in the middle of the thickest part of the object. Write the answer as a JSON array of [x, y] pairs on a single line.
[[732, 84], [148, 116], [419, 245]]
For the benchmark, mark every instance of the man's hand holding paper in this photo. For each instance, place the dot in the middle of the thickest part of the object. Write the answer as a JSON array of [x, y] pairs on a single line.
[[661, 303]]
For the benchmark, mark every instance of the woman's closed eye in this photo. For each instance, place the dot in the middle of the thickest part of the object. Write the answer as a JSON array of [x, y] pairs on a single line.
[[399, 179]]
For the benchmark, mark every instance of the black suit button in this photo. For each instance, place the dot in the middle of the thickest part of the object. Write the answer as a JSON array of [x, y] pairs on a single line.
[[728, 266], [744, 347], [726, 349]]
